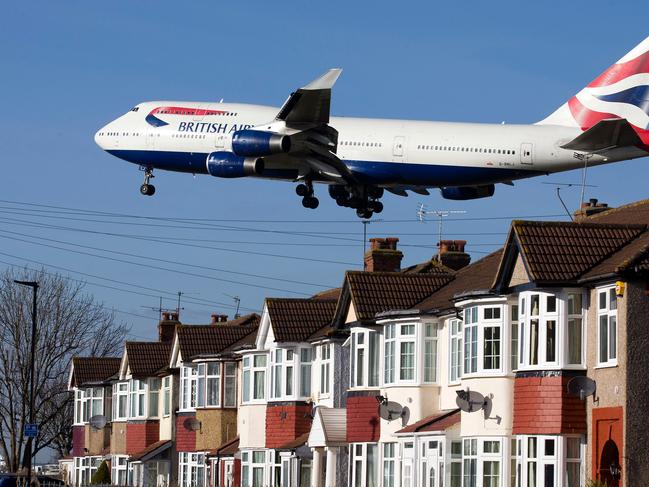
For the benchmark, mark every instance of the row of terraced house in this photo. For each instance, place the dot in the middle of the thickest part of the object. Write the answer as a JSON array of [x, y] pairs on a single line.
[[361, 385]]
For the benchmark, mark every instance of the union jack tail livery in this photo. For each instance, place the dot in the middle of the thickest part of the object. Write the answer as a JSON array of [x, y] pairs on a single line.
[[619, 93]]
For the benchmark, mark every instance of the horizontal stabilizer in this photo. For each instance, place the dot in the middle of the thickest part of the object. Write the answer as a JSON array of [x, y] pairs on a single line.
[[604, 135]]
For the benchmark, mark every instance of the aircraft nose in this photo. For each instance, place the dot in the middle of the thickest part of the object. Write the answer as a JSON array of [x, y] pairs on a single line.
[[99, 136]]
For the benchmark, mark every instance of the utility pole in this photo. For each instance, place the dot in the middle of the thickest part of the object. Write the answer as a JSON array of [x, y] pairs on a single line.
[[441, 214], [31, 430]]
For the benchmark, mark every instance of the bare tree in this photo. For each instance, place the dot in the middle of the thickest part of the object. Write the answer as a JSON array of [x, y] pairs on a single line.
[[70, 323]]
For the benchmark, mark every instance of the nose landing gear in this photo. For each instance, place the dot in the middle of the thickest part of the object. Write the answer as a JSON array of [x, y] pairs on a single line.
[[306, 191], [147, 189]]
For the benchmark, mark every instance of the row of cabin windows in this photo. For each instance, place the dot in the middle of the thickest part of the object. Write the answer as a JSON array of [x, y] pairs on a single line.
[[467, 149], [117, 134], [360, 144], [197, 113], [187, 136]]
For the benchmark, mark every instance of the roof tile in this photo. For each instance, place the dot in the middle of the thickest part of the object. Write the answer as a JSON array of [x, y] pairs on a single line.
[[197, 340], [93, 370], [146, 359], [295, 320]]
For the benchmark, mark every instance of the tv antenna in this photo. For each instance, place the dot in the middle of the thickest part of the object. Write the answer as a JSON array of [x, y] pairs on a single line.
[[159, 309], [237, 302], [569, 185], [180, 294], [422, 212], [365, 223]]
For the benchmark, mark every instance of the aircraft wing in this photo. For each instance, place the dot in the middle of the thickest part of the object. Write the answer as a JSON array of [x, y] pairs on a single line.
[[310, 104], [605, 135]]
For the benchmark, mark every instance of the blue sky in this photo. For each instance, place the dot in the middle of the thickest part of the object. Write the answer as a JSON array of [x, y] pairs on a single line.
[[70, 67]]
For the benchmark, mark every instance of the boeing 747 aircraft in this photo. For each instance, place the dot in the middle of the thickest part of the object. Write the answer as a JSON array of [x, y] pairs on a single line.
[[359, 158]]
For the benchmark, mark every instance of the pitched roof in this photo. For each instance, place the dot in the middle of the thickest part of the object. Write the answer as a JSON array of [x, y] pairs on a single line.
[[295, 320], [228, 448], [198, 340], [477, 275], [633, 213], [151, 451], [146, 359], [328, 294], [556, 252], [376, 292], [93, 370], [436, 422], [631, 257]]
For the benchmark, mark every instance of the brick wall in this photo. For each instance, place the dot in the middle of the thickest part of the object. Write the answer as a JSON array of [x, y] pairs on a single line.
[[363, 423], [185, 437], [286, 421], [542, 405], [141, 434], [78, 441]]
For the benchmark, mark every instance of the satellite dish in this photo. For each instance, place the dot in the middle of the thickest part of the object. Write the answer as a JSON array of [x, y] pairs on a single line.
[[98, 422], [391, 410], [581, 386], [470, 401], [192, 424]]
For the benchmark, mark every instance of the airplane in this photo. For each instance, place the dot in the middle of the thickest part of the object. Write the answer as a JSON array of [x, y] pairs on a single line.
[[360, 158]]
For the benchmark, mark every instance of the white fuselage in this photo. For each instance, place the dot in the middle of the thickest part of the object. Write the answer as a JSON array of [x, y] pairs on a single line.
[[383, 152]]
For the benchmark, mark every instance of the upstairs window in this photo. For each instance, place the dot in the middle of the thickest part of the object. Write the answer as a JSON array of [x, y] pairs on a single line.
[[80, 407], [95, 397], [430, 352], [166, 396], [137, 398], [188, 387], [154, 394], [365, 358], [607, 328], [120, 401], [455, 369], [209, 384], [483, 339], [324, 351], [230, 387], [254, 378]]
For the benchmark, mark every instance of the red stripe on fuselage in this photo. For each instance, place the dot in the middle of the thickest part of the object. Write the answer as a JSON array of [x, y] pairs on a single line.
[[618, 72]]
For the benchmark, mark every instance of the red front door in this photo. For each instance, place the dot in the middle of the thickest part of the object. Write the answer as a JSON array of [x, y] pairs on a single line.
[[608, 444]]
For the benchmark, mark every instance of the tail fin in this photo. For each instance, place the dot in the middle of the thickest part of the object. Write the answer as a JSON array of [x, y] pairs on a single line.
[[622, 91]]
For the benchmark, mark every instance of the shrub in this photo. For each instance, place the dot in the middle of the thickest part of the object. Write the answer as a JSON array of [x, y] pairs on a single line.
[[102, 475]]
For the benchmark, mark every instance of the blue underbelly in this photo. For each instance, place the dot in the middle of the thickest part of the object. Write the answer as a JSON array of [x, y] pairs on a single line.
[[367, 172]]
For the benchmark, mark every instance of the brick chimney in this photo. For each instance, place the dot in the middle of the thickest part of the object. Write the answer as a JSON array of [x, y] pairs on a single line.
[[216, 319], [383, 255], [167, 326], [590, 208], [452, 254]]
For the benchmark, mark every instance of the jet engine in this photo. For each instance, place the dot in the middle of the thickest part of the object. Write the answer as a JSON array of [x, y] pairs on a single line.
[[468, 192], [255, 143], [228, 165]]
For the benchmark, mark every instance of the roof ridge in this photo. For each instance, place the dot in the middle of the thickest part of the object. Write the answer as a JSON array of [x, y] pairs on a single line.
[[578, 224], [617, 209]]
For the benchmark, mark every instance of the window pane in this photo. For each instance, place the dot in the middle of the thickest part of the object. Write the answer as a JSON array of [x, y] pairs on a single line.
[[612, 299], [534, 342], [574, 303], [551, 304], [374, 368], [407, 361], [430, 360], [550, 341], [514, 347], [612, 352], [603, 338], [574, 341], [549, 475], [534, 305], [491, 349]]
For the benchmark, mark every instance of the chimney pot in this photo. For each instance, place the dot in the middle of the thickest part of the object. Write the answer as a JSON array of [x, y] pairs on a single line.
[[383, 255], [452, 254]]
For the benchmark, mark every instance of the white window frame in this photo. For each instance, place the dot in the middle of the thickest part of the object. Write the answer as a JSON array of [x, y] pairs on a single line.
[[360, 465], [95, 398], [456, 348], [191, 469], [475, 455], [431, 334], [561, 318], [253, 461], [118, 466], [80, 407], [137, 399], [370, 376], [521, 459], [254, 370], [120, 393], [230, 385], [324, 353], [607, 310], [475, 326], [389, 456], [153, 397], [166, 396], [188, 387]]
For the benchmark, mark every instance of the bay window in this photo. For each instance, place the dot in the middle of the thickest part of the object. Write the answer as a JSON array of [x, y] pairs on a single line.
[[188, 387], [513, 338], [406, 352], [389, 464], [191, 469], [118, 469], [482, 461], [166, 396], [230, 387], [120, 401], [607, 326], [409, 353], [254, 378], [95, 397], [253, 465], [455, 368], [364, 464], [290, 373], [306, 357], [550, 330], [483, 333], [365, 356], [547, 461], [137, 398], [324, 352], [154, 394], [430, 352], [80, 407]]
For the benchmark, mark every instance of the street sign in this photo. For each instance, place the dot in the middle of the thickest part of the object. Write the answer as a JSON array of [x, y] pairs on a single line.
[[31, 430]]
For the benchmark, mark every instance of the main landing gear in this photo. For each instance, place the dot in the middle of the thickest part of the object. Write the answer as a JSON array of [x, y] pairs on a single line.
[[364, 199], [305, 190], [147, 189]]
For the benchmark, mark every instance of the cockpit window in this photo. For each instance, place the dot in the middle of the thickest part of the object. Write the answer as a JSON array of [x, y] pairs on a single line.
[[135, 109]]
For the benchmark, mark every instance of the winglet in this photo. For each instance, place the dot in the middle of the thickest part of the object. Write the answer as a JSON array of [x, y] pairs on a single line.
[[324, 82]]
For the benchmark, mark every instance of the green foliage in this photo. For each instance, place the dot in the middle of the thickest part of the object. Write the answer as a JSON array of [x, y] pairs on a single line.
[[102, 475], [596, 483]]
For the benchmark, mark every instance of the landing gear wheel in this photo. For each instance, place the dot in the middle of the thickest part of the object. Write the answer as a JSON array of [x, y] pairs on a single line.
[[302, 190], [147, 189], [310, 202], [364, 213], [376, 206]]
